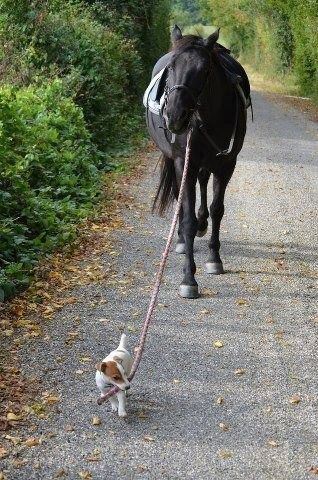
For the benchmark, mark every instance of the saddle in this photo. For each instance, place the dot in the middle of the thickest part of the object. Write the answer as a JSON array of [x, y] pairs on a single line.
[[153, 98], [154, 95]]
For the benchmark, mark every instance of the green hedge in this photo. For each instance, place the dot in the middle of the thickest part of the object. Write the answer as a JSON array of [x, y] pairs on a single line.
[[48, 176], [71, 78], [279, 36]]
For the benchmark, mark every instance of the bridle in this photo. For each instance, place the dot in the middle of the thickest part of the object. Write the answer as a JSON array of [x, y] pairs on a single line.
[[195, 120]]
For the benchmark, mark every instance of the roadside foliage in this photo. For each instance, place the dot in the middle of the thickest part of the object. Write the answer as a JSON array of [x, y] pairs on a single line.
[[275, 36], [71, 78]]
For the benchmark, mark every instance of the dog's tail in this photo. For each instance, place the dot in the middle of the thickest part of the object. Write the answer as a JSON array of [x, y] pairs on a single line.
[[123, 342]]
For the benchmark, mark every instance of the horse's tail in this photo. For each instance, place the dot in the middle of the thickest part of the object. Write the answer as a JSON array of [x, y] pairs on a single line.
[[168, 189]]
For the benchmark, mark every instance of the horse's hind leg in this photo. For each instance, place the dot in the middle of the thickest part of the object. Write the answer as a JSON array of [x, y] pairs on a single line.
[[189, 286], [214, 264], [203, 212]]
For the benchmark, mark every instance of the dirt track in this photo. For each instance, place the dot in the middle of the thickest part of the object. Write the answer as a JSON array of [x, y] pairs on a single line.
[[246, 410]]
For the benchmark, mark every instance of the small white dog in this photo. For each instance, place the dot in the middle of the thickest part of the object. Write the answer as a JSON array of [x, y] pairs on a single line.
[[114, 371]]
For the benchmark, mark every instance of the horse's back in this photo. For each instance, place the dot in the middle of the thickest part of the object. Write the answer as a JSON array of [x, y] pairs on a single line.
[[234, 67]]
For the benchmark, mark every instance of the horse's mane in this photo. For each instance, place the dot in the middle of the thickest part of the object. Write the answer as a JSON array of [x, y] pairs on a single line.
[[188, 41]]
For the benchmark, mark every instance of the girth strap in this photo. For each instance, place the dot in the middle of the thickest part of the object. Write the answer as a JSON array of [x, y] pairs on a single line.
[[199, 123]]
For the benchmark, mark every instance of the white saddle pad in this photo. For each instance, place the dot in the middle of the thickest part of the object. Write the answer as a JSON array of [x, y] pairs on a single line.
[[150, 100]]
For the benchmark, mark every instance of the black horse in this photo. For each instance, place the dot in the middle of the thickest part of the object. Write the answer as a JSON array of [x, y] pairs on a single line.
[[205, 89]]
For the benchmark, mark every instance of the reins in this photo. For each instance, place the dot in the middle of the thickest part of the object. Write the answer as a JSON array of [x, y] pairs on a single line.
[[196, 119], [156, 287]]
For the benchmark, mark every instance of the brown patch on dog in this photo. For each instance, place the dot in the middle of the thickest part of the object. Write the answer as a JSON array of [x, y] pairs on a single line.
[[112, 371]]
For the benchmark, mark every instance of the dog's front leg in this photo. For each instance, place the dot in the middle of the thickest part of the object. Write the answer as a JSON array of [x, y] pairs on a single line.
[[121, 404], [114, 403]]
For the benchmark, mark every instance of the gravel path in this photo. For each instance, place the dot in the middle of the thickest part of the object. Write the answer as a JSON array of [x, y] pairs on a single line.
[[247, 410]]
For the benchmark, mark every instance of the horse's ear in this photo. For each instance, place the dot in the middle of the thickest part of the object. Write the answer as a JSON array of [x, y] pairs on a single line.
[[176, 34], [212, 39]]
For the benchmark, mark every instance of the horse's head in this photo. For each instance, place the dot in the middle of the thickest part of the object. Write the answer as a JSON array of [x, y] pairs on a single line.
[[188, 71]]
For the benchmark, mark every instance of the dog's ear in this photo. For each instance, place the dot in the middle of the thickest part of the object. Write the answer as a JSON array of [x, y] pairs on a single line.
[[101, 367], [118, 360]]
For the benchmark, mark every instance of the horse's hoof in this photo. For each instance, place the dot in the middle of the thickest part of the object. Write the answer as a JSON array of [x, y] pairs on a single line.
[[201, 233], [214, 268], [180, 248], [189, 291]]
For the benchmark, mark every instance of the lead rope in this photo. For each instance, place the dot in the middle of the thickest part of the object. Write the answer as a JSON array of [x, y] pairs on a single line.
[[159, 275]]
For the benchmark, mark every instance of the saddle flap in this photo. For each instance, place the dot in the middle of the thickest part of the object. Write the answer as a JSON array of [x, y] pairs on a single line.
[[154, 92]]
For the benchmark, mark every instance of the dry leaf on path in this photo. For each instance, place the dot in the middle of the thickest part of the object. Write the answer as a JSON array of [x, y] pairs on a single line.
[[85, 475], [239, 371], [225, 454], [272, 443], [220, 400], [223, 426], [3, 453], [148, 438], [32, 442], [313, 470], [218, 344], [96, 420], [12, 417], [294, 399], [61, 472], [242, 301]]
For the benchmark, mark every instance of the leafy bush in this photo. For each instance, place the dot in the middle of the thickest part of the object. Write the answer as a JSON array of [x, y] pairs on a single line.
[[48, 176], [279, 36], [100, 66], [71, 77]]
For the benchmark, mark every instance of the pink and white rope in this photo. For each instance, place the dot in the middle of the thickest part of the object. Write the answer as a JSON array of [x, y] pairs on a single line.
[[159, 275]]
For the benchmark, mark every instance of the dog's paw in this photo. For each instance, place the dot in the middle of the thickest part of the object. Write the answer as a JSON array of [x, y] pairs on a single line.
[[114, 408], [122, 414]]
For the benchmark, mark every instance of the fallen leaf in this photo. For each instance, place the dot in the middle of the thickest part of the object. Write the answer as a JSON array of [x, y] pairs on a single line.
[[148, 438], [242, 301], [95, 456], [69, 428], [313, 470], [142, 468], [2, 477], [225, 454], [85, 475], [51, 399], [79, 372], [3, 453], [175, 380], [61, 472], [141, 414], [14, 440], [239, 371], [295, 399], [223, 426], [220, 400], [8, 333], [272, 443], [86, 359], [218, 344], [205, 311], [96, 420], [12, 417], [32, 442], [104, 320], [131, 328]]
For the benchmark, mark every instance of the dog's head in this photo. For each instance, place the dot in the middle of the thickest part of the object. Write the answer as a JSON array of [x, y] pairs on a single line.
[[114, 373]]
